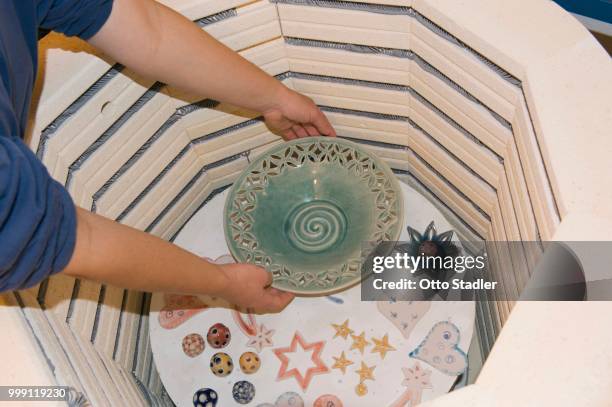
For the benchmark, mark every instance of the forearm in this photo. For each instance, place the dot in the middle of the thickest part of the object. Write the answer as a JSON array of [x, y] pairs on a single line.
[[159, 43], [112, 253]]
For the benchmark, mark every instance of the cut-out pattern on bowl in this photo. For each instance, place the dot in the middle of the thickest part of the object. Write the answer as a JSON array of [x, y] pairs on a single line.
[[303, 210]]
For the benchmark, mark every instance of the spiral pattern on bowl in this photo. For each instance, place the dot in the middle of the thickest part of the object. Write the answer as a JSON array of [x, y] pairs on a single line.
[[316, 226]]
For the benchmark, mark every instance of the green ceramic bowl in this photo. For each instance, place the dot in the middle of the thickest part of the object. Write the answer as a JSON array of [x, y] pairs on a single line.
[[303, 209]]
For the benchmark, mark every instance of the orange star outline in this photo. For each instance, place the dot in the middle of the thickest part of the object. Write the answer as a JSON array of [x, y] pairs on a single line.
[[318, 368]]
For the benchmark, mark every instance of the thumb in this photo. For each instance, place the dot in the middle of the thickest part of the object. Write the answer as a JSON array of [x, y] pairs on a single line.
[[277, 300]]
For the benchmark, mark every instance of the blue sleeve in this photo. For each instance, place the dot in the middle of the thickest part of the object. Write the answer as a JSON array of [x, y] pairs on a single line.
[[81, 18], [37, 218]]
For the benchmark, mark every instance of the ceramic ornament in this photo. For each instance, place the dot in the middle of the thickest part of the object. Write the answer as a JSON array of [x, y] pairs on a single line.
[[382, 346], [341, 363], [403, 314], [303, 209], [205, 398], [319, 351], [261, 339], [440, 350], [289, 399], [359, 342], [218, 336], [304, 375], [342, 330], [249, 362], [243, 392], [259, 336], [327, 400], [178, 309], [193, 345], [221, 364], [416, 379]]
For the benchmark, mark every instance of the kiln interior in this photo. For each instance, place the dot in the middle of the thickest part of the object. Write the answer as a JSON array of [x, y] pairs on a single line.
[[459, 102]]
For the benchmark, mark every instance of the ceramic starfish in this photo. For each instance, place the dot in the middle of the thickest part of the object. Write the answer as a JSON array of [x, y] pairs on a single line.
[[359, 342], [317, 368], [342, 330], [261, 339], [416, 379], [341, 363], [382, 346]]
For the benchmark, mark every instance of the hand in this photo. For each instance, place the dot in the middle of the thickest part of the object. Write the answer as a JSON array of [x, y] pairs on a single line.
[[248, 286], [295, 115]]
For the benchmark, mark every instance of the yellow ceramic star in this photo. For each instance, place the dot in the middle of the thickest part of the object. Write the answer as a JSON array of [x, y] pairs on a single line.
[[382, 346], [342, 330], [365, 372], [341, 363], [359, 342]]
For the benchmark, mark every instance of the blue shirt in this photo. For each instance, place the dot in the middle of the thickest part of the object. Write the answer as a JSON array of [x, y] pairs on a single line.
[[37, 216]]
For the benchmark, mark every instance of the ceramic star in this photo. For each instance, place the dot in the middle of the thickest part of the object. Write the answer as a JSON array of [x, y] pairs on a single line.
[[342, 330], [318, 367], [359, 342], [341, 363], [261, 339], [365, 372], [382, 346]]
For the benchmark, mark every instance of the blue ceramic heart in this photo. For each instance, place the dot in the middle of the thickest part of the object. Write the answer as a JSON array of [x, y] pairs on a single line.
[[303, 209]]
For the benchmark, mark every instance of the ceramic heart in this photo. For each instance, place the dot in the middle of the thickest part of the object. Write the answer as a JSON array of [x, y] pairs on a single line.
[[440, 349], [404, 314]]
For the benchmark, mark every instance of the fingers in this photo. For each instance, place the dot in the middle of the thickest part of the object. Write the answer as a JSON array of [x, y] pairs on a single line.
[[322, 125], [274, 301], [299, 131], [311, 130], [289, 135], [267, 278], [282, 300], [258, 293], [259, 275]]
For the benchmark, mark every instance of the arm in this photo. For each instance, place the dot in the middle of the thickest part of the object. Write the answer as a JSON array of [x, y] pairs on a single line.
[[109, 252], [159, 43]]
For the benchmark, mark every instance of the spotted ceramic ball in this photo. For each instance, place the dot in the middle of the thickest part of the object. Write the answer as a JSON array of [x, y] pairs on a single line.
[[205, 398], [327, 400], [250, 362], [289, 399], [243, 392], [221, 364], [218, 336], [193, 345]]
